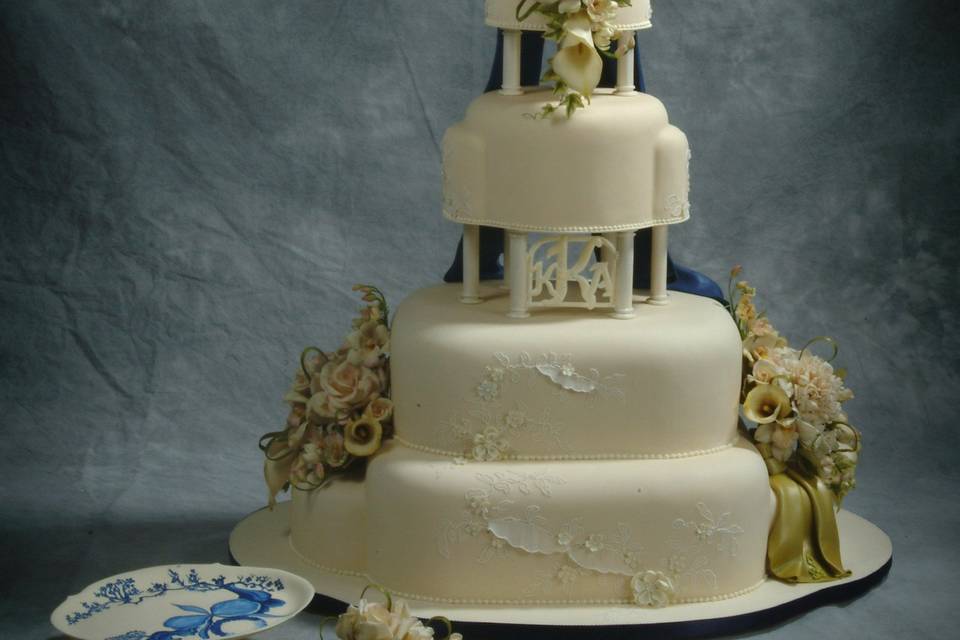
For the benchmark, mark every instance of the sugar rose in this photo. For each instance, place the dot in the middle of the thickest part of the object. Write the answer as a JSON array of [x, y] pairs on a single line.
[[347, 386], [380, 409]]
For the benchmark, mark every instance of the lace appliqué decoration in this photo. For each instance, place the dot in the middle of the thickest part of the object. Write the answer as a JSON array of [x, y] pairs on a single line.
[[485, 431], [677, 206], [457, 199], [493, 513], [492, 501], [714, 531]]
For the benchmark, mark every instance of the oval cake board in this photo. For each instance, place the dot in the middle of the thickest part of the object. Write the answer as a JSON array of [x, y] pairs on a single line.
[[263, 539]]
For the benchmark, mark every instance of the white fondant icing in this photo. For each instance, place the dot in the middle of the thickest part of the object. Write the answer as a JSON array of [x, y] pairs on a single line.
[[501, 532], [503, 169], [662, 384], [503, 14]]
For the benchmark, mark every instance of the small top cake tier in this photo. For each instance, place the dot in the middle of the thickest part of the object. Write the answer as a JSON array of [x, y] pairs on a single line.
[[503, 14], [616, 165]]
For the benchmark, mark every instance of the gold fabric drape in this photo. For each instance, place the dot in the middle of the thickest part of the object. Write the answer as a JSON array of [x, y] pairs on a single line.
[[804, 544]]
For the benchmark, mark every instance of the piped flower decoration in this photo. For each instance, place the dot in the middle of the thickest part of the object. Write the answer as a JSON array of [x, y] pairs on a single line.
[[340, 408], [793, 399], [584, 32], [652, 589]]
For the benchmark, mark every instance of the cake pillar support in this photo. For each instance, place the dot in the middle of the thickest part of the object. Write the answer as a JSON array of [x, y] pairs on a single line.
[[658, 266], [519, 285], [511, 63], [471, 264], [623, 285], [625, 72]]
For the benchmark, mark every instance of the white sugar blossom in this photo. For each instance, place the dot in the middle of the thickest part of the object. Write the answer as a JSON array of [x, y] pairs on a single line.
[[594, 543], [781, 438], [515, 419], [652, 589], [567, 575], [488, 390], [495, 373], [489, 445], [479, 503]]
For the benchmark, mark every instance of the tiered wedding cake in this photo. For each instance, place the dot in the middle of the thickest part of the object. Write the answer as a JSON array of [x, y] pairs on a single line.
[[560, 437]]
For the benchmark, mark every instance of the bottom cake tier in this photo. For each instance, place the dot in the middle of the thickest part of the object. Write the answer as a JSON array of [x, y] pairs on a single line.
[[646, 532]]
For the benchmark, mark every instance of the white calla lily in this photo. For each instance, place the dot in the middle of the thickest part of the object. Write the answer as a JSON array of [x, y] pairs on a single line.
[[577, 29], [569, 6], [577, 62], [808, 433]]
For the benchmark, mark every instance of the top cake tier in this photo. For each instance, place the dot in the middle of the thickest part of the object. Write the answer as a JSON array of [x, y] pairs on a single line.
[[503, 14], [616, 165]]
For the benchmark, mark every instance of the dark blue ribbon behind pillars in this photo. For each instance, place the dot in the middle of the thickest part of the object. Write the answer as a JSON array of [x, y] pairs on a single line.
[[679, 278]]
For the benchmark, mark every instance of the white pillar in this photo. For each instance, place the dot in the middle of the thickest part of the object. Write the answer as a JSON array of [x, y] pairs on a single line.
[[471, 264], [506, 261], [519, 277], [511, 63], [658, 266], [623, 285], [625, 72]]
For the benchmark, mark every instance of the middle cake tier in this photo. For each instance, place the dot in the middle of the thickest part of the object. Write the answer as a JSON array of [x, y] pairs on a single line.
[[563, 384]]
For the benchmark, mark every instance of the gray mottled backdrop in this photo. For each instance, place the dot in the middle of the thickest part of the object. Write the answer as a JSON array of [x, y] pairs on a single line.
[[189, 188]]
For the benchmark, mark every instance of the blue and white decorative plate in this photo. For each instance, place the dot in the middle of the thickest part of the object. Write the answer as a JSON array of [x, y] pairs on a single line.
[[183, 602]]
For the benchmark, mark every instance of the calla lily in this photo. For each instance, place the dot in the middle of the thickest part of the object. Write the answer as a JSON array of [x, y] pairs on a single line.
[[808, 433], [295, 397], [848, 436], [577, 30], [362, 437], [577, 62], [766, 403], [276, 469], [847, 459]]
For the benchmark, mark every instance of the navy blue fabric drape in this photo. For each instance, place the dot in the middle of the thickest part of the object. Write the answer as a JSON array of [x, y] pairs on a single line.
[[679, 278]]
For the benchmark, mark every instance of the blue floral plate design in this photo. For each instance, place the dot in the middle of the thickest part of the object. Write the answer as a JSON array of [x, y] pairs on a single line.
[[183, 602]]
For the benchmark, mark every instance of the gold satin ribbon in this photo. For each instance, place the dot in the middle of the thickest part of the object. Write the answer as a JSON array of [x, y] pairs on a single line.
[[804, 543]]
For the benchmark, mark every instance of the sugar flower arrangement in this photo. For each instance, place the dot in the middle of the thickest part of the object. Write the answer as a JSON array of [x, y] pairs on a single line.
[[368, 620], [340, 411], [584, 33], [794, 399]]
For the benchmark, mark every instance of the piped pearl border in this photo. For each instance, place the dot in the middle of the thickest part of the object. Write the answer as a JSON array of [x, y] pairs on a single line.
[[507, 601], [553, 458], [456, 214], [513, 25]]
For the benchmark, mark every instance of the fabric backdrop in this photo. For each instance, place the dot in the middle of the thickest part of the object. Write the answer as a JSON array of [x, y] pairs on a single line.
[[189, 189]]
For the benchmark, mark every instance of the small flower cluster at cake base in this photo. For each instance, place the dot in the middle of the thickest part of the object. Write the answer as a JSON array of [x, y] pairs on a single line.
[[368, 620], [584, 33], [340, 411], [795, 398]]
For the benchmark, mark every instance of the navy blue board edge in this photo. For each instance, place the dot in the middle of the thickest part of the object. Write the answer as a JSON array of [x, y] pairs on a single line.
[[756, 621], [679, 278]]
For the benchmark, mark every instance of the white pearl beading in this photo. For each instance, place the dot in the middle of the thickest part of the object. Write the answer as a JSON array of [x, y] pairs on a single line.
[[573, 456]]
